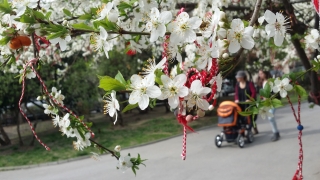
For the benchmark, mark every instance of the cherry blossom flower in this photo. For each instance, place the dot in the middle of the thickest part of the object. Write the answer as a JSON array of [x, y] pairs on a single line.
[[62, 41], [148, 4], [56, 120], [313, 39], [205, 59], [104, 11], [238, 35], [112, 105], [117, 148], [174, 89], [183, 28], [218, 80], [124, 163], [29, 73], [282, 86], [265, 112], [157, 23], [100, 41], [276, 26], [143, 89], [48, 109], [57, 95], [81, 143], [212, 29], [195, 97], [152, 67]]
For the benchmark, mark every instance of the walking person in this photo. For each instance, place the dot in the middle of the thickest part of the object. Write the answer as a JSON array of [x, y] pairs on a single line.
[[264, 76], [242, 88]]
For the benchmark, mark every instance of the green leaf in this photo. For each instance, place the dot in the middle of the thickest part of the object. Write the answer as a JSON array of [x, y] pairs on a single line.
[[82, 26], [129, 107], [263, 93], [108, 25], [300, 90], [4, 40], [246, 113], [67, 12], [56, 35], [5, 7], [120, 78], [108, 83], [39, 15], [27, 19], [276, 103], [85, 17], [134, 171], [48, 14]]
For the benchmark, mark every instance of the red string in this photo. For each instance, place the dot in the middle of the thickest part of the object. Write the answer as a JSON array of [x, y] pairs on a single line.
[[165, 55], [298, 174], [184, 144], [20, 101]]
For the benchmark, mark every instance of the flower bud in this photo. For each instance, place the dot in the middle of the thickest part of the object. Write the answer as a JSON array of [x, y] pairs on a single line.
[[211, 107], [222, 15], [201, 113], [39, 98], [318, 57], [64, 22], [117, 148], [189, 118], [221, 24], [225, 55]]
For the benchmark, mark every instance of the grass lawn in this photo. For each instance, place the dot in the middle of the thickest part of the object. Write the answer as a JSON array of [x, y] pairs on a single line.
[[134, 133]]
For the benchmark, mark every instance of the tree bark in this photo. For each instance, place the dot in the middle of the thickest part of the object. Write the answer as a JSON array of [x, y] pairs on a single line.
[[5, 141], [19, 118], [34, 124], [300, 28]]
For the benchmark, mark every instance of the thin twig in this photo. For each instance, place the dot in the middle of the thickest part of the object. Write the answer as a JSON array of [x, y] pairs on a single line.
[[101, 146], [34, 46]]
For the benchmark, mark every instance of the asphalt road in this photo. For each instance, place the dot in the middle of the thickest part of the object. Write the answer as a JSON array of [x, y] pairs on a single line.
[[261, 160]]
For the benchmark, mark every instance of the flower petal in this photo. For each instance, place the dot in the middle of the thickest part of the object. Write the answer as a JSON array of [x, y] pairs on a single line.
[[136, 80], [270, 30], [270, 17], [144, 102], [237, 25], [247, 42], [135, 97], [183, 91], [180, 80], [173, 101], [234, 46], [166, 16], [153, 91], [203, 104], [283, 93], [194, 22], [196, 84], [166, 81], [278, 38]]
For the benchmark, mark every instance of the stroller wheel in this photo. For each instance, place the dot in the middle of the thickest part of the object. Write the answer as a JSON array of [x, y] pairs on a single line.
[[218, 141], [240, 141], [250, 137]]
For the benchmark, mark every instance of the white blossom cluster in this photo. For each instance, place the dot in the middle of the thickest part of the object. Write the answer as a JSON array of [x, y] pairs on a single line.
[[64, 123]]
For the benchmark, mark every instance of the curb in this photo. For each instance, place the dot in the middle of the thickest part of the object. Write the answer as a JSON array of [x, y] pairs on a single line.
[[12, 168]]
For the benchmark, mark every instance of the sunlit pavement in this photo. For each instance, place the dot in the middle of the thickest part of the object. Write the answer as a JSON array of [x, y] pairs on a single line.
[[261, 160]]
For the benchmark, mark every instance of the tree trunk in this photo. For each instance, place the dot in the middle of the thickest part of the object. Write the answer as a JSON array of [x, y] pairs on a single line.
[[34, 124], [19, 118], [300, 28], [5, 141]]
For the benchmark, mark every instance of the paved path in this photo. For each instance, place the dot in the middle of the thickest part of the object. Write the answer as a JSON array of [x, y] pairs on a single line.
[[262, 160]]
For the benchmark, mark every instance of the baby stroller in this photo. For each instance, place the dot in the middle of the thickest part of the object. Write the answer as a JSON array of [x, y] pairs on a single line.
[[236, 128]]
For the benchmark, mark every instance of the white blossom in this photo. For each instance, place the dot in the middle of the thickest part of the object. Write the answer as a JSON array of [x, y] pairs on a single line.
[[195, 97], [112, 105], [282, 86], [265, 112], [238, 35], [143, 89], [62, 41], [173, 89], [183, 28], [157, 23], [276, 26], [124, 163]]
